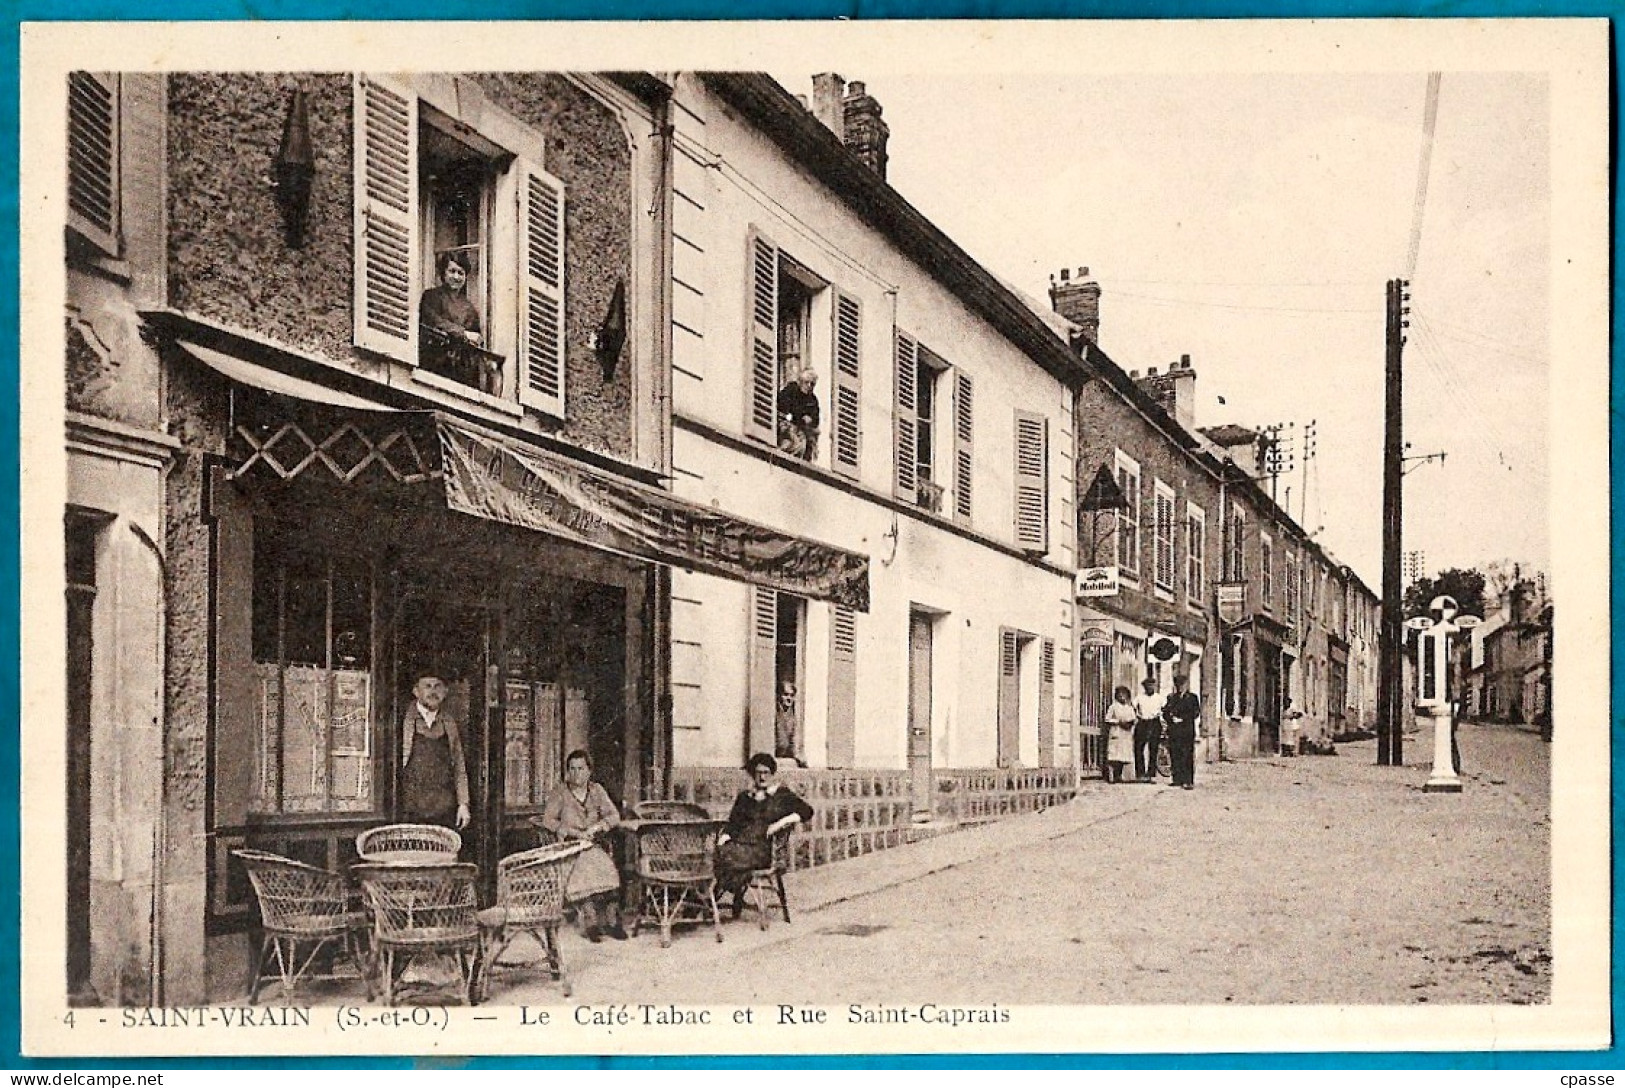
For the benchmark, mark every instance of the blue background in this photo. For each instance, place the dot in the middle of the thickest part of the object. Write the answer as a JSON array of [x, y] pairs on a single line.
[[96, 10]]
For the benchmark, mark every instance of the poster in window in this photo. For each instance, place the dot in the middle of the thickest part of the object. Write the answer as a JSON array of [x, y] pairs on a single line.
[[267, 752], [352, 712], [304, 739], [518, 725]]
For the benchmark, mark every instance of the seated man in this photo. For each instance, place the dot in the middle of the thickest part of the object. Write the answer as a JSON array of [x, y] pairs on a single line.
[[799, 413], [758, 814]]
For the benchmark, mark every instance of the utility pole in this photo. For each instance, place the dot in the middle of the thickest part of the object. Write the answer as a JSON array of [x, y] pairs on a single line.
[[1390, 667]]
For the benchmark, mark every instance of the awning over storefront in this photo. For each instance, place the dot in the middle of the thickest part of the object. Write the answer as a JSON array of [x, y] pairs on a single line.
[[486, 474]]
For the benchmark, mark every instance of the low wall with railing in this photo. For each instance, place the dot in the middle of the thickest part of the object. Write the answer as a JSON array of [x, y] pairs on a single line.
[[860, 812], [854, 812], [978, 794]]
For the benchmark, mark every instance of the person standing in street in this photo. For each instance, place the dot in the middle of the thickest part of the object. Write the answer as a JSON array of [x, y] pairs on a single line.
[[1119, 729], [1147, 730], [1183, 715]]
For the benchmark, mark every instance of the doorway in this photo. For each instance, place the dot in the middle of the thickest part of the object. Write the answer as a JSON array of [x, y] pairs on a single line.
[[456, 640], [82, 535], [1267, 706], [919, 713]]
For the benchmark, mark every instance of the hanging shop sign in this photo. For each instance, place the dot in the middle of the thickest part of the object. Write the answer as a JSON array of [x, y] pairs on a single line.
[[1232, 601], [1097, 582]]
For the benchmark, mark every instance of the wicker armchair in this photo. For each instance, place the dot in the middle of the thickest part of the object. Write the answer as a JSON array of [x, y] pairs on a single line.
[[408, 839], [677, 867], [669, 810], [530, 899], [765, 887], [423, 911], [302, 906]]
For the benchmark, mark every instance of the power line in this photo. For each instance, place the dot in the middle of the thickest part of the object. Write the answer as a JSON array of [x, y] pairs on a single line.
[[1430, 118], [1488, 343], [1238, 306]]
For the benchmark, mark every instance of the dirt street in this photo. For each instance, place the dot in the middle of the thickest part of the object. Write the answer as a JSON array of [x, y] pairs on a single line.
[[1307, 880]]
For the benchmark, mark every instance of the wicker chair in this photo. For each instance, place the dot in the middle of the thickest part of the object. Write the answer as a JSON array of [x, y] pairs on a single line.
[[408, 839], [669, 810], [302, 906], [677, 868], [530, 899], [765, 887], [422, 911]]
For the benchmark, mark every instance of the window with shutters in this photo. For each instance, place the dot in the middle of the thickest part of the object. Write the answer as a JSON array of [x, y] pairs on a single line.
[[1163, 526], [1195, 552], [931, 471], [1032, 482], [1266, 571], [1235, 558], [93, 159], [1128, 517], [460, 252], [933, 430], [1292, 584], [782, 403]]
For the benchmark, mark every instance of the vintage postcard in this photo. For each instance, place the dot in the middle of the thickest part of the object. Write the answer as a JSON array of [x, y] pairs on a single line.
[[785, 538]]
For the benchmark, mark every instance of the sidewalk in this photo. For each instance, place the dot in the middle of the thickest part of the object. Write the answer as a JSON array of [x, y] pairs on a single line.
[[616, 970]]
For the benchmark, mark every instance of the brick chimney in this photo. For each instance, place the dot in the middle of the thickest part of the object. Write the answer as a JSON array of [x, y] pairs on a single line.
[[826, 103], [1077, 300], [865, 133], [1175, 391]]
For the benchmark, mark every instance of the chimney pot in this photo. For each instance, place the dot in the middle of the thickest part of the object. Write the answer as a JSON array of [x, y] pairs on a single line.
[[826, 102], [1066, 275], [1185, 361], [861, 127], [1152, 373], [1135, 374]]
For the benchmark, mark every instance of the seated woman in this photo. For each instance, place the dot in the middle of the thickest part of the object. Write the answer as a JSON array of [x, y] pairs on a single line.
[[758, 814], [580, 809]]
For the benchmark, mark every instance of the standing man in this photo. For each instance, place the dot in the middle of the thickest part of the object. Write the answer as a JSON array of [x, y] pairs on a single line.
[[787, 726], [434, 774], [1147, 730], [1183, 713]]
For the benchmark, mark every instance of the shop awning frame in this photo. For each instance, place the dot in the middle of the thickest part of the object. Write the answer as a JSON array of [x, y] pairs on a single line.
[[486, 474]]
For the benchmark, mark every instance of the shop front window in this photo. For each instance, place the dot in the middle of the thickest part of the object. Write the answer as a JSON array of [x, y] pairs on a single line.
[[312, 645]]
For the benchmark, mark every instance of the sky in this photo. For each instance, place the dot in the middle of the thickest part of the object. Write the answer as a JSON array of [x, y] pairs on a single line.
[[1252, 221]]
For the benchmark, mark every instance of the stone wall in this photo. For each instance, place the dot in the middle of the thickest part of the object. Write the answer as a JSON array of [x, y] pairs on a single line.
[[228, 261]]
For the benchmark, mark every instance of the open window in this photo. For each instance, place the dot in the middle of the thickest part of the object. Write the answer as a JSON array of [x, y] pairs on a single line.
[[459, 254], [783, 405], [931, 464]]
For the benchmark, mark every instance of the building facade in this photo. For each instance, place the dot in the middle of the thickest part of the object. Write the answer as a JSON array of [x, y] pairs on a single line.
[[313, 462], [941, 449]]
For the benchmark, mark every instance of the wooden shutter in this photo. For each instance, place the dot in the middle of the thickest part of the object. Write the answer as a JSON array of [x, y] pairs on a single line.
[[764, 631], [387, 279], [93, 158], [1009, 709], [541, 327], [761, 381], [1032, 490], [964, 458], [841, 736], [1046, 703], [905, 415], [848, 434]]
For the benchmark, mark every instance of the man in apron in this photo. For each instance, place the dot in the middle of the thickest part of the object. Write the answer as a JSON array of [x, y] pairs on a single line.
[[434, 774]]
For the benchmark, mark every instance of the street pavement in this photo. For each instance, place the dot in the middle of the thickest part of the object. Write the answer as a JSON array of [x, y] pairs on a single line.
[[1316, 879]]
